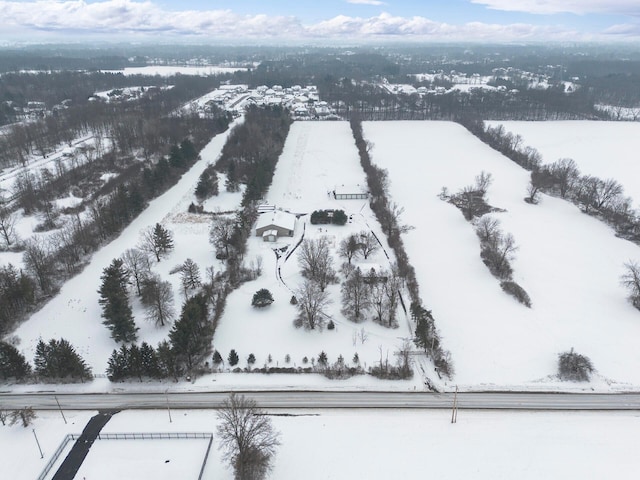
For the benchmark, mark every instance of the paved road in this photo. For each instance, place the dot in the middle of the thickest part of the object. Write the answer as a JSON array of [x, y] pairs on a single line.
[[80, 449], [326, 400]]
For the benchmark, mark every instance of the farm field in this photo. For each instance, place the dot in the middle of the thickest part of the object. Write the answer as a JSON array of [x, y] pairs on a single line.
[[481, 445], [604, 149], [569, 264]]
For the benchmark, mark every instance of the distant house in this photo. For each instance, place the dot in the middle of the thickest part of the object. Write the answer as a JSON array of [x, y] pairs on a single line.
[[276, 222], [350, 192]]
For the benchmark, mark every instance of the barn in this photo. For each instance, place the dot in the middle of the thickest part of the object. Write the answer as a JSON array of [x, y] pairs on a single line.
[[276, 223]]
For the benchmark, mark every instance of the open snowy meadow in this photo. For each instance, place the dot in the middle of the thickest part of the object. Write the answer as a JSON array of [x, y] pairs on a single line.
[[355, 444], [569, 264]]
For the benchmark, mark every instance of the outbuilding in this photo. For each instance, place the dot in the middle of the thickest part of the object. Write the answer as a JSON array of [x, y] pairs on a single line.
[[278, 221]]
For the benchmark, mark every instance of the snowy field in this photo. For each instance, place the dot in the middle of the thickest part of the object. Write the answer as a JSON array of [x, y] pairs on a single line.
[[569, 264], [318, 157], [170, 70], [159, 459], [604, 149], [373, 444]]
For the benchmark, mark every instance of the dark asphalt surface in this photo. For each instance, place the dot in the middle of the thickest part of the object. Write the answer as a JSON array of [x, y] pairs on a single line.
[[80, 449]]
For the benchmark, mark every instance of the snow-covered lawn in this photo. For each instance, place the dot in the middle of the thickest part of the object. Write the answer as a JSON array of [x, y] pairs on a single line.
[[568, 262], [603, 149], [373, 444], [159, 459]]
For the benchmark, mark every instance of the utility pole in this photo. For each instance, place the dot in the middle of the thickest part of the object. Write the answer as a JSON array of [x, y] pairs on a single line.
[[454, 411], [168, 409], [36, 437], [61, 412]]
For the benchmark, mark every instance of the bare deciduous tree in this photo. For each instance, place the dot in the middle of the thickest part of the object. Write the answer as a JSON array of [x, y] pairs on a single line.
[[157, 297], [247, 438], [316, 262], [8, 227], [355, 297], [137, 264], [348, 248], [221, 233], [367, 243], [631, 279], [311, 304], [565, 173]]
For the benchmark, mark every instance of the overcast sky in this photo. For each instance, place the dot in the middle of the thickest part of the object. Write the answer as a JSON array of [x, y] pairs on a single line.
[[331, 20]]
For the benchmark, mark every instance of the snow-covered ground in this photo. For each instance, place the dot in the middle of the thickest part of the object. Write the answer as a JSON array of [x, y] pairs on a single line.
[[74, 313], [603, 149], [569, 263], [373, 444], [318, 158]]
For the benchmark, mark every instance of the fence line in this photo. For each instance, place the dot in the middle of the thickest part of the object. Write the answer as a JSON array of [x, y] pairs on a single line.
[[56, 455], [129, 436], [153, 436], [206, 457]]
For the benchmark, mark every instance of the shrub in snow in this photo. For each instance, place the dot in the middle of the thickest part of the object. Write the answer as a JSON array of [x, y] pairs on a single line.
[[331, 325], [517, 292], [574, 367], [262, 298]]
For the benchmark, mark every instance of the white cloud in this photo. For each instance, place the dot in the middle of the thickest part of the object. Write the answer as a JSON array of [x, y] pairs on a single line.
[[619, 7], [366, 2], [124, 18]]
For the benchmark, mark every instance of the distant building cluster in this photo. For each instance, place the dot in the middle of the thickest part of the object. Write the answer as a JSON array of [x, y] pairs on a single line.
[[303, 102]]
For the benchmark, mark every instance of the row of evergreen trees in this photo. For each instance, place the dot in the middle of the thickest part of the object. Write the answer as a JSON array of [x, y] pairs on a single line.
[[56, 360]]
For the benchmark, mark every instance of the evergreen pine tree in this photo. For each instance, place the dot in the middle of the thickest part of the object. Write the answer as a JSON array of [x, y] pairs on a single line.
[[117, 365], [59, 360], [251, 359], [233, 358], [167, 362], [262, 298], [191, 335], [188, 150], [217, 358], [149, 360], [114, 300], [12, 363], [162, 238], [176, 158], [134, 363]]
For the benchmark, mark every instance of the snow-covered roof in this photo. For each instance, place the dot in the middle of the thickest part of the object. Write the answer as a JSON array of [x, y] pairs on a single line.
[[277, 218]]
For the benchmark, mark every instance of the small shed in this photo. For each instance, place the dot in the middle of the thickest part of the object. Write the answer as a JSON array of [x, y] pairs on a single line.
[[283, 223]]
